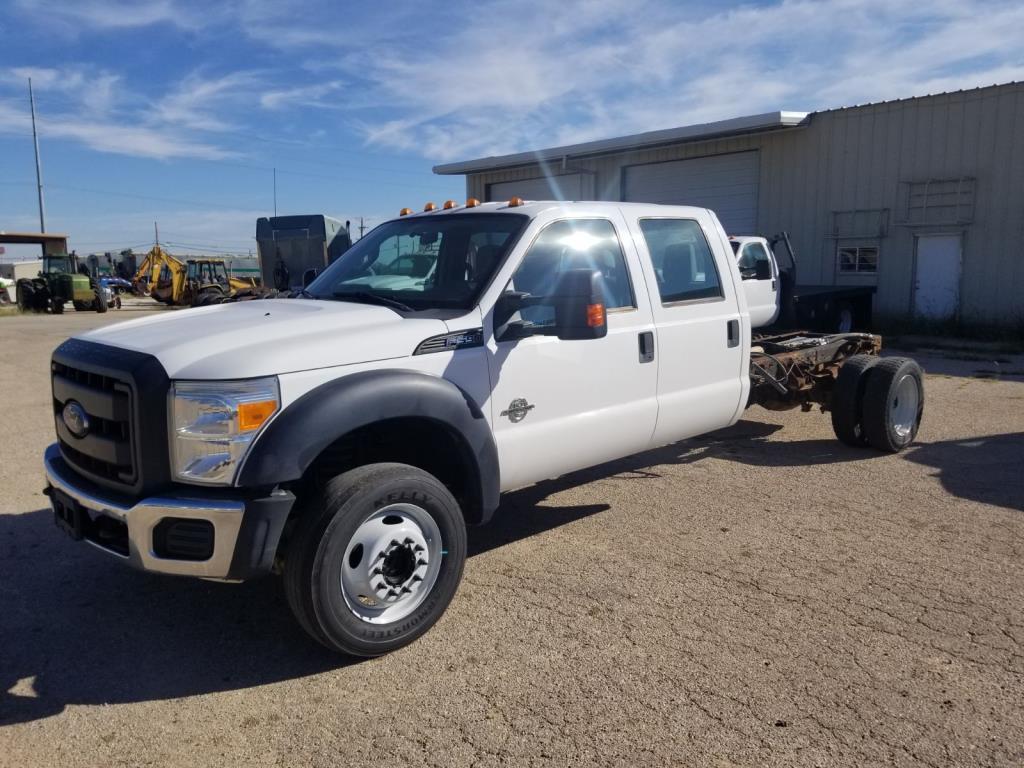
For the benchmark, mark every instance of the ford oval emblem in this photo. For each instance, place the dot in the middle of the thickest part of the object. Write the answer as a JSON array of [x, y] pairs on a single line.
[[75, 419]]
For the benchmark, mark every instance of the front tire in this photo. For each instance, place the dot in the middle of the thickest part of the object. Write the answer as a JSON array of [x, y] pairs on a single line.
[[375, 561]]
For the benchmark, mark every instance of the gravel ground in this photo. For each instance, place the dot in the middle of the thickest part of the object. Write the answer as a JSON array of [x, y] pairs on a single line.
[[762, 596]]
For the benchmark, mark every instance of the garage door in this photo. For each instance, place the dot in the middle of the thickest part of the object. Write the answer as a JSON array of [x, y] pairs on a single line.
[[559, 188], [727, 184]]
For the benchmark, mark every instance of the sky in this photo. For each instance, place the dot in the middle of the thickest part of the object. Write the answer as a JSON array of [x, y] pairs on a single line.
[[178, 112]]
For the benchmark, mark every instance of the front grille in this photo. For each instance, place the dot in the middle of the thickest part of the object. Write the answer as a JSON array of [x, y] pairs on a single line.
[[123, 394], [106, 450]]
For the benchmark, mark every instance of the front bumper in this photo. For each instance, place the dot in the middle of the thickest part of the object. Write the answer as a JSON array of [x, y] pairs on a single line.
[[244, 531]]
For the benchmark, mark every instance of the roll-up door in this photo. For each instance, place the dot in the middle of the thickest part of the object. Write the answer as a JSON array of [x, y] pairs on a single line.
[[727, 184]]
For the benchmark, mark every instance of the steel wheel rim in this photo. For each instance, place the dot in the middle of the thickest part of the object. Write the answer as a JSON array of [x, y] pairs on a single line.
[[391, 563], [904, 407]]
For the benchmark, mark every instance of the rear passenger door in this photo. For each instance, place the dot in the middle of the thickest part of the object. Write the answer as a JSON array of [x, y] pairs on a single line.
[[702, 339], [560, 405]]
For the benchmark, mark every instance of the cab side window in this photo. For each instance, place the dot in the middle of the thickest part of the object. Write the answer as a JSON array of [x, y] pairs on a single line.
[[683, 263], [752, 255], [571, 244]]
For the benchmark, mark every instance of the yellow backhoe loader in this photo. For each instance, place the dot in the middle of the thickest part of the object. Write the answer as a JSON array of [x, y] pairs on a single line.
[[194, 282]]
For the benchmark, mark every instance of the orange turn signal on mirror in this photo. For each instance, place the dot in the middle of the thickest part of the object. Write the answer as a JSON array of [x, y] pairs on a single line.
[[472, 202], [405, 212], [449, 204], [429, 207], [253, 415], [595, 315]]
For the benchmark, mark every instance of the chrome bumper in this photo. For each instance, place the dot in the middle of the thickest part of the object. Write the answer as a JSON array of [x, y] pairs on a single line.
[[141, 518]]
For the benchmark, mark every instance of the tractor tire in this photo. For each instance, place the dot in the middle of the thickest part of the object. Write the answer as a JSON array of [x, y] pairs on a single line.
[[893, 404], [375, 559], [100, 305], [848, 399], [207, 297], [57, 306], [26, 297], [81, 306]]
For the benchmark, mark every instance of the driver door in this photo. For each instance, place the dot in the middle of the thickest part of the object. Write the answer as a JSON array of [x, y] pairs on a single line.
[[559, 406]]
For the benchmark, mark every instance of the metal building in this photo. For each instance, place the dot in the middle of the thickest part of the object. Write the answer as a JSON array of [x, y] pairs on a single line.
[[922, 197]]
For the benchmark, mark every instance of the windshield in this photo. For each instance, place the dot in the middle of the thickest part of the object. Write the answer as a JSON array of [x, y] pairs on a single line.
[[441, 262], [57, 264]]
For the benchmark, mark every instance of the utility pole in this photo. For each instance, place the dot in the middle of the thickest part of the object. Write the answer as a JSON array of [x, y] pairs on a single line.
[[39, 168], [156, 234], [275, 193], [362, 227]]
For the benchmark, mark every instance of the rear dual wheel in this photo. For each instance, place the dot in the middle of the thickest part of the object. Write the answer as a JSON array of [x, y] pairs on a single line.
[[878, 402], [374, 562]]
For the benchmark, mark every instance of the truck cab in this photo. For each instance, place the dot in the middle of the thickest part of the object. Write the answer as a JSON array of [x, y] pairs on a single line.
[[760, 275], [345, 438]]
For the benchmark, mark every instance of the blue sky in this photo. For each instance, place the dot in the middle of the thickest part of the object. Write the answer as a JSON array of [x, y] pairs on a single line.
[[177, 111]]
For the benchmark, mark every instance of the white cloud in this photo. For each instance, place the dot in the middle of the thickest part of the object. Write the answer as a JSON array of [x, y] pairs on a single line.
[[94, 109], [115, 14], [530, 74]]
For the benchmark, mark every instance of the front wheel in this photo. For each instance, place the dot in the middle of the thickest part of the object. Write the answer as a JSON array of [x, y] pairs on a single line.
[[375, 561]]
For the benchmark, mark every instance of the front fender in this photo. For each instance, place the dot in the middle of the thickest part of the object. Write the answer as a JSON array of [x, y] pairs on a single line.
[[300, 433]]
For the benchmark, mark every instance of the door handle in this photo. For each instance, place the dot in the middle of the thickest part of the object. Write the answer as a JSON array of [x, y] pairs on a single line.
[[732, 333], [646, 346]]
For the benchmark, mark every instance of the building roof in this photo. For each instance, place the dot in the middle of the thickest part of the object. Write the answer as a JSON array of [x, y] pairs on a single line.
[[29, 238], [768, 121]]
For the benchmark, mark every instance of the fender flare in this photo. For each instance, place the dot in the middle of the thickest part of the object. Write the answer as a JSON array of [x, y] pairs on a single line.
[[305, 428]]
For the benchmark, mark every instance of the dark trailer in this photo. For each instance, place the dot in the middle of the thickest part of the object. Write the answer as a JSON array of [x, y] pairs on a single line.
[[288, 246]]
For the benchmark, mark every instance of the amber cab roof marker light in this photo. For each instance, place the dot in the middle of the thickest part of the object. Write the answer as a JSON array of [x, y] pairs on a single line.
[[449, 204], [472, 202], [429, 207], [405, 212], [515, 202]]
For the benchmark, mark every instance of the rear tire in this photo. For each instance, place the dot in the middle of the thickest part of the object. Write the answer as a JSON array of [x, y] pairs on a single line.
[[342, 548], [57, 306], [100, 304], [848, 399], [893, 404]]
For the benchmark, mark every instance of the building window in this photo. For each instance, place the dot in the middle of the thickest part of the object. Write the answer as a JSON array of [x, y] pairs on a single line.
[[859, 259]]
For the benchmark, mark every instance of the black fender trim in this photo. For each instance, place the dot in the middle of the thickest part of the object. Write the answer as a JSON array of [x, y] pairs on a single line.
[[300, 433]]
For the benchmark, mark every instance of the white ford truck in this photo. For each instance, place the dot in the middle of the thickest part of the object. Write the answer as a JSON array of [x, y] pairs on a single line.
[[346, 437]]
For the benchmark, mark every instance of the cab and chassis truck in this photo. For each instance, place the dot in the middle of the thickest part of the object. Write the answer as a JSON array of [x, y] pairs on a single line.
[[346, 438]]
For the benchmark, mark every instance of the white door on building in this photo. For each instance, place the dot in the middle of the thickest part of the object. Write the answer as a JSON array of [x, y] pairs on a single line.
[[937, 278]]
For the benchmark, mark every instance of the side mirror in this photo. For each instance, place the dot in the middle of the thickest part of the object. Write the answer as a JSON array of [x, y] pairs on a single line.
[[308, 277], [580, 312], [762, 270]]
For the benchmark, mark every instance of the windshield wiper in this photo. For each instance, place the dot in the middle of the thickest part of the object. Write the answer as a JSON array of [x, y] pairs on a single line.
[[365, 297]]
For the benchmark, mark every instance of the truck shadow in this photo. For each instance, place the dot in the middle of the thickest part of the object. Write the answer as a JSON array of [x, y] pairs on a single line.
[[77, 628]]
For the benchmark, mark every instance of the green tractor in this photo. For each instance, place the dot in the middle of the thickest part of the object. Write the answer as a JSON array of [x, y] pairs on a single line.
[[59, 282]]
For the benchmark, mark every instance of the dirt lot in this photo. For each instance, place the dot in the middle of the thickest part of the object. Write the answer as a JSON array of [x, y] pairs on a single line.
[[763, 596]]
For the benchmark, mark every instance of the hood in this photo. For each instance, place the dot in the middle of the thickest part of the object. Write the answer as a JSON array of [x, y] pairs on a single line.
[[265, 337]]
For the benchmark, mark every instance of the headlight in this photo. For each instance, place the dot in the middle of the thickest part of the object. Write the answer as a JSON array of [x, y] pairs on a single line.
[[213, 423]]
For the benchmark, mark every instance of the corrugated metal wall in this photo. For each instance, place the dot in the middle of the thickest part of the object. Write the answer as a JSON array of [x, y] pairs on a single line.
[[849, 172]]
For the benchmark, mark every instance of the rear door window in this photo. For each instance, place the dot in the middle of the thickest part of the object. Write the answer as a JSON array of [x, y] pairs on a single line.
[[683, 262]]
